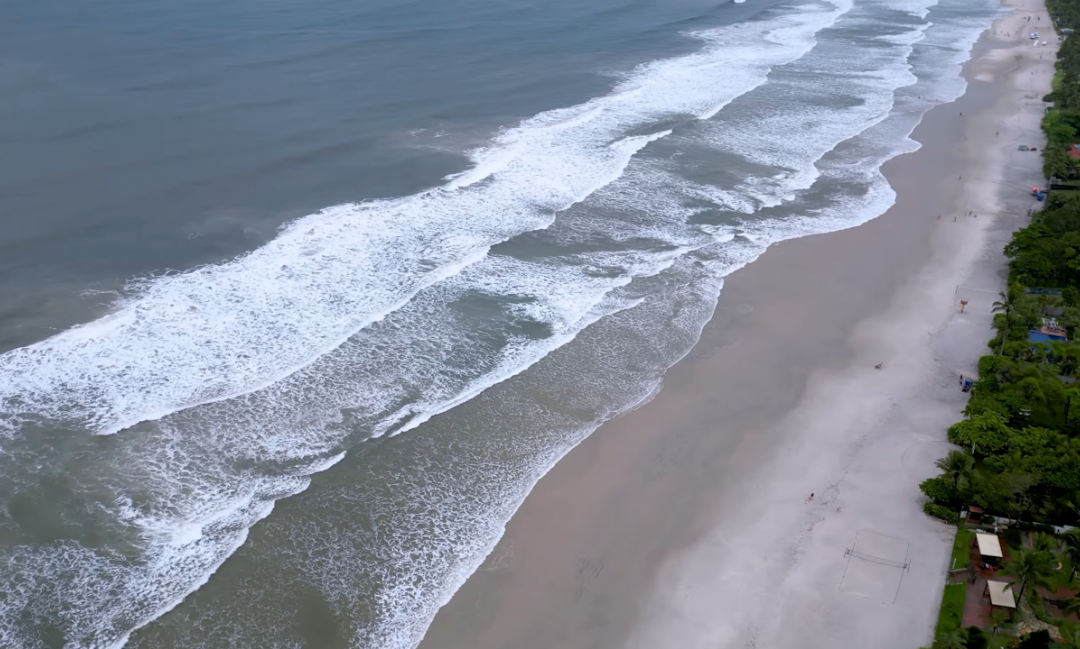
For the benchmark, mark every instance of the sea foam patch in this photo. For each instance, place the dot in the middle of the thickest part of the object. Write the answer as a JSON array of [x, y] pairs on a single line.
[[253, 374]]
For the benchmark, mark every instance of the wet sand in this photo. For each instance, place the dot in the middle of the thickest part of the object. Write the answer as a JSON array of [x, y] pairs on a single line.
[[687, 523]]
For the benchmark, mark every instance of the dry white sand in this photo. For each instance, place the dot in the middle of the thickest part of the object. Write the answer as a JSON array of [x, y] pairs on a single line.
[[686, 523], [778, 573]]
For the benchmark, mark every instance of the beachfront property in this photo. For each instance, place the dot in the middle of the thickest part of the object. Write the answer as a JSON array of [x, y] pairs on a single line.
[[1050, 331]]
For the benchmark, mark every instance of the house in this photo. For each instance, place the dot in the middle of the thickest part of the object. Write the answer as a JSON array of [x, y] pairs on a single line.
[[1048, 332]]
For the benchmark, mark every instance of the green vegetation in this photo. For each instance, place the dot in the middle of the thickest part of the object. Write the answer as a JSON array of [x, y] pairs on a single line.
[[1020, 442], [1031, 567], [961, 548], [1063, 121], [952, 612], [1019, 454]]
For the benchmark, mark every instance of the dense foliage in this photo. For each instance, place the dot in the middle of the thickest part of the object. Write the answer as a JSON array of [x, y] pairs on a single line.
[[1062, 123], [1019, 444], [1066, 13], [1020, 440], [1047, 253], [1021, 437]]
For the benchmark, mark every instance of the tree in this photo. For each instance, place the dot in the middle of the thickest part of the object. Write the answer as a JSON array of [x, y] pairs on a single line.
[[1071, 634], [958, 465], [975, 638], [1072, 550], [999, 621], [951, 639], [1044, 542], [1007, 306], [1036, 640], [1070, 606], [985, 432], [940, 491], [1072, 415], [1030, 566]]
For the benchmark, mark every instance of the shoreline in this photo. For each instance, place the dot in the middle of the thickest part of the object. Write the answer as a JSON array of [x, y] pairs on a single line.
[[686, 521]]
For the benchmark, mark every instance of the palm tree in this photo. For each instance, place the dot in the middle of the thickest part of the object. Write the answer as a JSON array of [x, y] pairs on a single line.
[[1070, 394], [958, 465], [951, 639], [1065, 355], [1030, 566], [1070, 606], [1072, 549], [999, 621], [1007, 306], [1043, 542], [1071, 634]]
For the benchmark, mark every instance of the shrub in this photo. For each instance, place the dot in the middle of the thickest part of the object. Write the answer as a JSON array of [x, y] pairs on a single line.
[[951, 613], [939, 490], [942, 512], [1036, 640], [976, 638]]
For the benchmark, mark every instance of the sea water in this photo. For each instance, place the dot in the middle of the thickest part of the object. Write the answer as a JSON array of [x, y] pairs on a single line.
[[299, 300]]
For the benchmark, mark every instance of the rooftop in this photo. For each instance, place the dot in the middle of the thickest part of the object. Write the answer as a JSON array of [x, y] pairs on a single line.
[[1000, 594], [989, 545]]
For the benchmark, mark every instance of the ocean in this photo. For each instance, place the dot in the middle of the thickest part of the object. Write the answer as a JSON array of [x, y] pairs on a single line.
[[298, 300]]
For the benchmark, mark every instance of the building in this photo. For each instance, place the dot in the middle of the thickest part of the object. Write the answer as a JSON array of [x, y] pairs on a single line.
[[1048, 332]]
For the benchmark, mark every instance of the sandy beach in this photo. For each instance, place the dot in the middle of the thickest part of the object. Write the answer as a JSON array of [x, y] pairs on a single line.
[[689, 523]]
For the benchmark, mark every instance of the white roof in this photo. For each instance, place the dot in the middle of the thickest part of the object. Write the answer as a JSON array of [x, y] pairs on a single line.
[[1001, 593], [989, 545]]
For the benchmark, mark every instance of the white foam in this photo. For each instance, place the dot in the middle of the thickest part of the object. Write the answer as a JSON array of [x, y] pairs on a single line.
[[202, 495], [228, 329]]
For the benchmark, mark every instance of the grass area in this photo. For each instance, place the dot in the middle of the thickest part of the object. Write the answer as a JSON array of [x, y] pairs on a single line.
[[1055, 83], [961, 551], [998, 641], [952, 609]]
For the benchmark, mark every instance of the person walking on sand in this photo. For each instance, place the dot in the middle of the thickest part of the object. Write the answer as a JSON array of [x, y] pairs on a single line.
[[811, 497]]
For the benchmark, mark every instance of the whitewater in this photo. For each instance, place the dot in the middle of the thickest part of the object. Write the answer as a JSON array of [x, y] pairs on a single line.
[[222, 389]]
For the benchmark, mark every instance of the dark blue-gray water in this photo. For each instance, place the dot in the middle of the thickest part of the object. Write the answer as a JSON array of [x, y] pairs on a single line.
[[299, 299]]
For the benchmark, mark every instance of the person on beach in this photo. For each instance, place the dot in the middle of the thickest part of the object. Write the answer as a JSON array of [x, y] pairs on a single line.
[[811, 497]]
